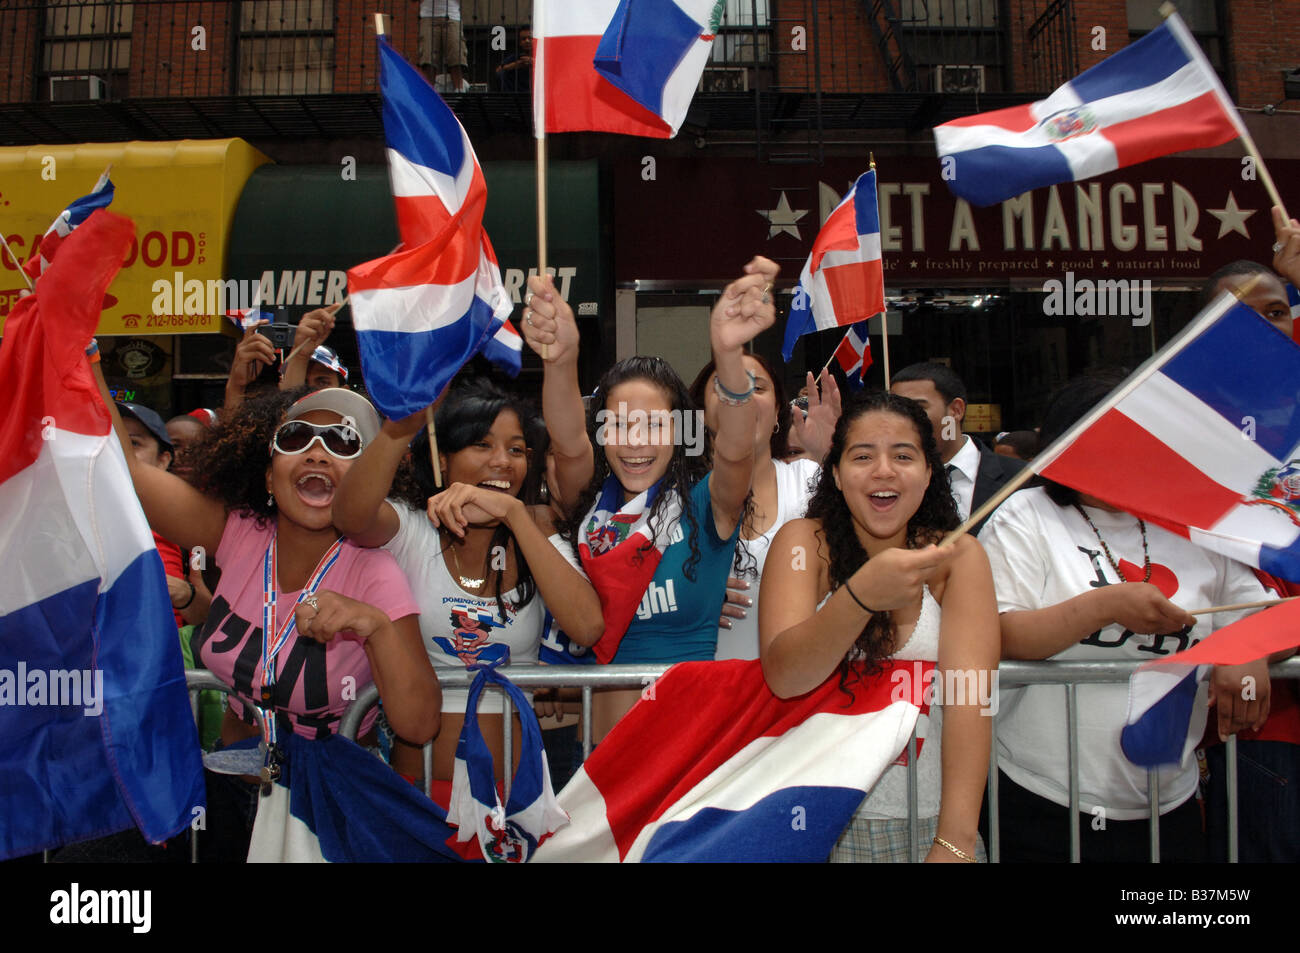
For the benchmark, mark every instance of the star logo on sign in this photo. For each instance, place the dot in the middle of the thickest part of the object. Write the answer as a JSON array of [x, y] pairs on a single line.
[[783, 218], [1232, 218]]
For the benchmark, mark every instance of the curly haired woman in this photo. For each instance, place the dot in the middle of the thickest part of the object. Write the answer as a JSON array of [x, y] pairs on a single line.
[[873, 585]]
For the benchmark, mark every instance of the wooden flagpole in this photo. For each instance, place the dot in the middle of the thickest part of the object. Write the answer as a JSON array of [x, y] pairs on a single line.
[[884, 315], [428, 411], [18, 263], [539, 120], [1193, 50], [1244, 605]]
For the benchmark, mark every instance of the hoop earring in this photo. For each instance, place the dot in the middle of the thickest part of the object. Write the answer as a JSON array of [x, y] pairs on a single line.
[[776, 427]]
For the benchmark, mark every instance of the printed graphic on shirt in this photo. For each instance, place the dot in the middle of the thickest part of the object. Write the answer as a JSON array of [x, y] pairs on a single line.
[[658, 599], [471, 632], [1163, 578]]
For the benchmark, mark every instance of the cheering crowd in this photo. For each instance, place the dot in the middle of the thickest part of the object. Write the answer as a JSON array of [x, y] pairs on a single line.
[[313, 547]]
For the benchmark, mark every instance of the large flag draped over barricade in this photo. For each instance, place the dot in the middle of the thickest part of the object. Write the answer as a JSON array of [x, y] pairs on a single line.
[[425, 310], [65, 222], [711, 766], [1157, 95], [843, 281], [1213, 419], [622, 66], [96, 734]]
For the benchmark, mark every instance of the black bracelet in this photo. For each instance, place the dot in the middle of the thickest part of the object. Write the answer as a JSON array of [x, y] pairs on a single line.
[[864, 606], [189, 600]]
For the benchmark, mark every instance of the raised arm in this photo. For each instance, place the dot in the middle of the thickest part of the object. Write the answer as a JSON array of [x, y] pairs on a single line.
[[174, 509], [253, 352], [745, 309], [969, 645], [549, 328], [361, 512], [313, 329]]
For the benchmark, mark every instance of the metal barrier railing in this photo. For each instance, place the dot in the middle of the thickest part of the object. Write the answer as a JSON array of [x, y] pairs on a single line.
[[1071, 674]]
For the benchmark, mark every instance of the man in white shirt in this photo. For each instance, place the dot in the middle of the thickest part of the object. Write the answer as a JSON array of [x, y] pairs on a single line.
[[974, 471]]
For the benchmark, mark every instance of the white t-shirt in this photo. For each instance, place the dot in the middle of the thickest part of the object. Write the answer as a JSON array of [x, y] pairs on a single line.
[[458, 627], [1043, 554], [794, 488]]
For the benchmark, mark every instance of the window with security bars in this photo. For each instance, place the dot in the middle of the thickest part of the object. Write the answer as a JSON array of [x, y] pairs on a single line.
[[744, 42], [1204, 18], [955, 46], [286, 47], [85, 50]]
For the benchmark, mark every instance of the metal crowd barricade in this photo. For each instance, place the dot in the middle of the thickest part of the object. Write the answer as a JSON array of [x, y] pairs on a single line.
[[1071, 674], [1011, 674]]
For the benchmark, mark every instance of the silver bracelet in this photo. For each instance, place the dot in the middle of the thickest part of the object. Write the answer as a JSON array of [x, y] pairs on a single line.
[[731, 398]]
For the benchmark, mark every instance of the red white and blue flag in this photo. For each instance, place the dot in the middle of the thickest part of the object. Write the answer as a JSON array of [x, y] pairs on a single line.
[[1157, 95], [1293, 301], [843, 281], [425, 310], [854, 353], [711, 766], [622, 66], [1162, 693], [64, 223], [1213, 418], [620, 553], [94, 714]]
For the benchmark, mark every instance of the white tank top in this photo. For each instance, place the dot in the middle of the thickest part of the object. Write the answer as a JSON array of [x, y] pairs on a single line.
[[459, 628], [793, 491]]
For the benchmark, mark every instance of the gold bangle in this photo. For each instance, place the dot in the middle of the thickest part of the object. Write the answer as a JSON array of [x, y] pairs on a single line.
[[956, 850]]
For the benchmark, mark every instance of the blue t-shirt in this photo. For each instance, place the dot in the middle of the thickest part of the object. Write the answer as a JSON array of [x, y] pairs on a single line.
[[677, 620]]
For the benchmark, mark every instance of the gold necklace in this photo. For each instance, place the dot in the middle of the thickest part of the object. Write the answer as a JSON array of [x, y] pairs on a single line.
[[463, 579]]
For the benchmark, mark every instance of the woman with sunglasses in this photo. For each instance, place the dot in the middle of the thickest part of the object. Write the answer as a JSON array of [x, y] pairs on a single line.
[[481, 559], [337, 615]]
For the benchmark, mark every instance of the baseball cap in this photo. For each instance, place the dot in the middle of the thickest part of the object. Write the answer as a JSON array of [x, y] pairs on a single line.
[[152, 422], [330, 358], [205, 416], [345, 403]]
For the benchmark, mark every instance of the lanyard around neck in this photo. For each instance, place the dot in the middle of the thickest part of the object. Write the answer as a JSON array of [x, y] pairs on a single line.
[[273, 638]]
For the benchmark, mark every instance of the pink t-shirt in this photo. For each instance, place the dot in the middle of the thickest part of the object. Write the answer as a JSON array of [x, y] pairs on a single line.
[[315, 681]]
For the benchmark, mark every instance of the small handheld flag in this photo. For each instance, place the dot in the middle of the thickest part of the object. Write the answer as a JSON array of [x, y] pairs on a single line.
[[1157, 95], [854, 354], [843, 281], [67, 220]]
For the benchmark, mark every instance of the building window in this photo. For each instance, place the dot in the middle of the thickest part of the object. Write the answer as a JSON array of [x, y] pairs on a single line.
[[743, 43], [954, 45], [1204, 19], [85, 50], [286, 47]]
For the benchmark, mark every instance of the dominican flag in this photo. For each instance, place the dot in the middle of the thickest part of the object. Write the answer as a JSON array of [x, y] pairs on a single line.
[[623, 66], [336, 802], [509, 833], [1162, 693], [245, 318], [1293, 300], [854, 354], [505, 348], [1155, 96], [1213, 419], [67, 220], [711, 766], [425, 310], [96, 734], [843, 281], [620, 553]]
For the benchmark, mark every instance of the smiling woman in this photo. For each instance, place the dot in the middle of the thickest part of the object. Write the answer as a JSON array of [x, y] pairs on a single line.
[[333, 614], [481, 560], [861, 581]]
